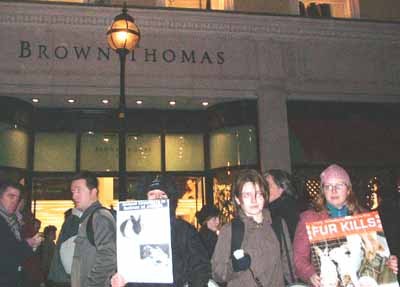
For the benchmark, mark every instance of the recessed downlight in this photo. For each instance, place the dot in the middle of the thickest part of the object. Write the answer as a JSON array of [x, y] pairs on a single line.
[[71, 101], [172, 103], [105, 101], [35, 100], [139, 102]]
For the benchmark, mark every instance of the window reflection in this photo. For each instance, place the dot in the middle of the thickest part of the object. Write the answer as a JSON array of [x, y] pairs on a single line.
[[99, 152], [233, 147], [55, 152]]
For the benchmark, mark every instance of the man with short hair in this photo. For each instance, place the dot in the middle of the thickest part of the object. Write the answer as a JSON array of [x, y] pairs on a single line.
[[93, 262], [14, 249]]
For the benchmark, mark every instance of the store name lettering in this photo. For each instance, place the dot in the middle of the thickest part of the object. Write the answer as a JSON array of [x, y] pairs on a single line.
[[148, 55]]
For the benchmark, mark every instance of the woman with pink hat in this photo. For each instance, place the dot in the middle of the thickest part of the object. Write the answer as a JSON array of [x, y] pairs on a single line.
[[336, 199]]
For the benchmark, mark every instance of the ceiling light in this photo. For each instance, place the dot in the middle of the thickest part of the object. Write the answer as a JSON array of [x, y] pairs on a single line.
[[35, 100], [139, 102], [205, 104], [90, 133], [172, 103], [71, 101], [105, 101]]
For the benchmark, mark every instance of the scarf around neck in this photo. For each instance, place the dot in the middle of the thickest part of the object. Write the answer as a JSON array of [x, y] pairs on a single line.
[[337, 212], [12, 222]]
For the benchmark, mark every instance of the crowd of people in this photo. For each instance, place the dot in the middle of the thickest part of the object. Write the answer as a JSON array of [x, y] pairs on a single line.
[[266, 243]]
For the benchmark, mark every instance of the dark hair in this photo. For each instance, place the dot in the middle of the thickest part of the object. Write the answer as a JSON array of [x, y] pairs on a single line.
[[283, 180], [8, 183], [249, 175], [207, 212], [89, 177], [48, 229], [162, 182]]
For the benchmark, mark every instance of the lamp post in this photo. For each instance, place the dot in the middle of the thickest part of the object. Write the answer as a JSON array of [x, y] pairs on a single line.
[[122, 36]]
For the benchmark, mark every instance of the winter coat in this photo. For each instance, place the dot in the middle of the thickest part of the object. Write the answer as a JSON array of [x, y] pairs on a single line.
[[93, 266], [69, 228], [209, 239], [261, 243], [302, 247], [12, 254], [189, 257], [286, 207]]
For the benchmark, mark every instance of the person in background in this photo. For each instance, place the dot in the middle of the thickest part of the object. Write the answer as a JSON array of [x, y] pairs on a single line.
[[14, 249], [336, 199], [92, 265], [47, 249], [191, 266], [208, 218], [282, 199], [260, 261], [33, 275], [60, 268]]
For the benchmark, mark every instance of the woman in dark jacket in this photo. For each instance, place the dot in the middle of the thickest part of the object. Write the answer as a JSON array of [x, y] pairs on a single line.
[[282, 200], [208, 217]]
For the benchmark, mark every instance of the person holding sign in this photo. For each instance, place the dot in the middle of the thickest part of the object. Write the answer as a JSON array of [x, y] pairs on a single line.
[[335, 200], [191, 266]]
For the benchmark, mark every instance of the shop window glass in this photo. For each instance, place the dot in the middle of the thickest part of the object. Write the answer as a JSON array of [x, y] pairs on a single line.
[[143, 152], [191, 200], [14, 146], [99, 152], [330, 8], [233, 147], [222, 191], [55, 152], [184, 152], [199, 4]]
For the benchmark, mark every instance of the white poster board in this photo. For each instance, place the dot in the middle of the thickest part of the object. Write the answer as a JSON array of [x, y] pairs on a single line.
[[144, 252]]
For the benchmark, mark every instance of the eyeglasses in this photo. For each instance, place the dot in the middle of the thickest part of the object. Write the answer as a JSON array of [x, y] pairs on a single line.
[[337, 187]]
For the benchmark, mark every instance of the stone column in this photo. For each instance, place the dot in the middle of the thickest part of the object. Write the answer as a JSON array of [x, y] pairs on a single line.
[[273, 129]]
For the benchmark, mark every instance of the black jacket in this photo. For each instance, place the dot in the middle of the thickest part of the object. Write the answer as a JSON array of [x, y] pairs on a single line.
[[189, 257], [287, 208], [12, 254], [209, 239]]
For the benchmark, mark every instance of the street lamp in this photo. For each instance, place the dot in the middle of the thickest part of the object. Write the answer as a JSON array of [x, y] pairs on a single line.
[[122, 36]]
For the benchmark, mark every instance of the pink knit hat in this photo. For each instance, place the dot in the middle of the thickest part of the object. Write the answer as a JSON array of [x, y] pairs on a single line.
[[337, 172]]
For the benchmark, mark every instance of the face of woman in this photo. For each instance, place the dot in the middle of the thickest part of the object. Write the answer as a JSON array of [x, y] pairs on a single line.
[[213, 223], [335, 192], [251, 200]]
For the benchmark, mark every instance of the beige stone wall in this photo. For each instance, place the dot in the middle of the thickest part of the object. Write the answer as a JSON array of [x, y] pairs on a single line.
[[380, 10], [263, 6]]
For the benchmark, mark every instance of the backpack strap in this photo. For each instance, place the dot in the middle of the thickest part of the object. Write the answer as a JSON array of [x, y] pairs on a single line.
[[277, 226], [89, 226], [237, 234]]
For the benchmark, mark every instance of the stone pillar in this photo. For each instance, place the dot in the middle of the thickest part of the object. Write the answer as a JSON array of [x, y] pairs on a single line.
[[273, 129]]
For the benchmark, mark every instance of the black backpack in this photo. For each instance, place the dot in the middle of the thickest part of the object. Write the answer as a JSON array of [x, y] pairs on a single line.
[[89, 225]]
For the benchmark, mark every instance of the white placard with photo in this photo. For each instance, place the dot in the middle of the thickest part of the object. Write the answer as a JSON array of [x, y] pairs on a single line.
[[144, 241]]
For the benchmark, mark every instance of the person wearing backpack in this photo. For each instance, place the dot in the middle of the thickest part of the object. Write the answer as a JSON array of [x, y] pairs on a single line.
[[92, 264], [248, 252]]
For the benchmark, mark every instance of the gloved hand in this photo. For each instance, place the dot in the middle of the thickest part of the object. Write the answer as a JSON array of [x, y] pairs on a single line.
[[240, 261]]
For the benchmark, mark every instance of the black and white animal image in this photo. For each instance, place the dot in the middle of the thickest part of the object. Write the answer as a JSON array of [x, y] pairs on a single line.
[[131, 226], [158, 254]]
